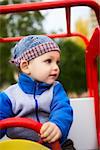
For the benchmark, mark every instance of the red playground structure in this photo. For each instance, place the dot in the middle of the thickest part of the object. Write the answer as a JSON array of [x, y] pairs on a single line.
[[85, 133]]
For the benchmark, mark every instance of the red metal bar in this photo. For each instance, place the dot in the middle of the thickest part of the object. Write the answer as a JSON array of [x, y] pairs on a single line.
[[48, 5], [20, 122], [92, 51], [68, 20], [14, 39]]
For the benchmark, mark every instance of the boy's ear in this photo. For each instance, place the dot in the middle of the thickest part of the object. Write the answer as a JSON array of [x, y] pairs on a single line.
[[24, 66]]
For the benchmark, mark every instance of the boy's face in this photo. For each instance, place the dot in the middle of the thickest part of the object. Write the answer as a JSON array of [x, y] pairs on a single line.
[[45, 67]]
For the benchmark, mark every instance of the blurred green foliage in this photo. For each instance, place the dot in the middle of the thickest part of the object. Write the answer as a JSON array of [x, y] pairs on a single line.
[[73, 75]]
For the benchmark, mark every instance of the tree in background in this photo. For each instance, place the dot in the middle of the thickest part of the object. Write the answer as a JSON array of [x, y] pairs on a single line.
[[16, 24], [82, 26], [72, 66]]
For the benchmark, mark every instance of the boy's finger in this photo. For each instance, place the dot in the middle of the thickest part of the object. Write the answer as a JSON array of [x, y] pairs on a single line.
[[55, 138], [44, 128], [47, 132], [50, 138]]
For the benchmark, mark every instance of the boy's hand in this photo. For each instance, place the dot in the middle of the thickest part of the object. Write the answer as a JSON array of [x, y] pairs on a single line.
[[50, 132]]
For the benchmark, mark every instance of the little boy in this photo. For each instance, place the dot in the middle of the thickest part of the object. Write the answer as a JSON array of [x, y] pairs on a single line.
[[37, 94]]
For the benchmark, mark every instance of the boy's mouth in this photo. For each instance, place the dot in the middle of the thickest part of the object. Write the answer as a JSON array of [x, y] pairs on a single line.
[[53, 75]]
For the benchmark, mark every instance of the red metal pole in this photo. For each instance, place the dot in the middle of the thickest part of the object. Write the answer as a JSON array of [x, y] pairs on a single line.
[[68, 20], [92, 51], [14, 39], [48, 5]]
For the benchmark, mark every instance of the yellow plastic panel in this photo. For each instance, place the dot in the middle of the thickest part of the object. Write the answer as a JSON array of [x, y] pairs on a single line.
[[21, 145]]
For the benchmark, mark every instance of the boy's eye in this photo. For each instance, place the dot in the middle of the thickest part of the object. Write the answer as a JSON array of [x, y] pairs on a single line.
[[48, 61], [58, 62]]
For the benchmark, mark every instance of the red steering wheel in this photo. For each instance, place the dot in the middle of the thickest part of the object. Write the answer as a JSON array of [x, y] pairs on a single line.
[[26, 123]]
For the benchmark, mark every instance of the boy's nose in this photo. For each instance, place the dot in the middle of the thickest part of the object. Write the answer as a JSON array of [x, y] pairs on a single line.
[[56, 67]]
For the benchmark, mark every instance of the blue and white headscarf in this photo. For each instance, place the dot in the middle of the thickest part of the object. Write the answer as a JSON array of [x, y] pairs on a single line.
[[31, 47]]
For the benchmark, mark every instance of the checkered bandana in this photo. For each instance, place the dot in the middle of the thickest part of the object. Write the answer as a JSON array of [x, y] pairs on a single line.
[[31, 47]]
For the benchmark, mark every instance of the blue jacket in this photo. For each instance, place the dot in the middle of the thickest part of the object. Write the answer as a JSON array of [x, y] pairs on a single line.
[[40, 101]]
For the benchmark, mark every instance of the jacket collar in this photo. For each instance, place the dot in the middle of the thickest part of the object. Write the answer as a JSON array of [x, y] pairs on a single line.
[[30, 86]]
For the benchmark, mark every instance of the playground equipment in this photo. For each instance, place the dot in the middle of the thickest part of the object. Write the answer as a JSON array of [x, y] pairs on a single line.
[[87, 108], [24, 144]]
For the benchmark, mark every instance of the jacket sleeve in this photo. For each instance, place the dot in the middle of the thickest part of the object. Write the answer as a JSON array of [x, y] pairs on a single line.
[[5, 110], [61, 111]]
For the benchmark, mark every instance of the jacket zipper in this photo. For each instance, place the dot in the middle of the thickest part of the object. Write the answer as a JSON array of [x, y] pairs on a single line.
[[36, 103]]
